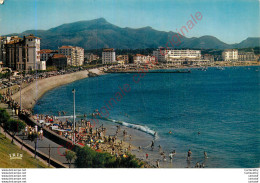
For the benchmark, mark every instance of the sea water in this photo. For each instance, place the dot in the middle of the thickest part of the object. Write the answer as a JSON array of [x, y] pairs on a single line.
[[216, 111]]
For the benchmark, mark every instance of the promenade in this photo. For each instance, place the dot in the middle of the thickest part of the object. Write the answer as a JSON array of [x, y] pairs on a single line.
[[42, 146]]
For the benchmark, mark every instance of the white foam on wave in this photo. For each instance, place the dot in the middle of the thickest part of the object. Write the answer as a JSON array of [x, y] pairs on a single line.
[[137, 127], [134, 126]]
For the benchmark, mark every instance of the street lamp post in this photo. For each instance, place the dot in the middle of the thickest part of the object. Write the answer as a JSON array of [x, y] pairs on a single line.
[[74, 91], [20, 87]]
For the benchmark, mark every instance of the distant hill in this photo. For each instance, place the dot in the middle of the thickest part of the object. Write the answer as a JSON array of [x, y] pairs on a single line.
[[249, 42], [99, 33]]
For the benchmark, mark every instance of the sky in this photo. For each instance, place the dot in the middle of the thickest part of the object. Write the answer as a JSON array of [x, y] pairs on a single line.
[[231, 21]]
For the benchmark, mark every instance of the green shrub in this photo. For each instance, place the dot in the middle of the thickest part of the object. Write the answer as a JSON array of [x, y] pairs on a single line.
[[88, 158]]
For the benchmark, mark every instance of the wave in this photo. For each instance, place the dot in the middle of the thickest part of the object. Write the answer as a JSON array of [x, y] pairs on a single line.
[[142, 128], [137, 127]]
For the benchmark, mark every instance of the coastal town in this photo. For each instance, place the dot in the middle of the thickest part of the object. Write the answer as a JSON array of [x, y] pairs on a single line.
[[132, 91], [25, 67], [24, 55]]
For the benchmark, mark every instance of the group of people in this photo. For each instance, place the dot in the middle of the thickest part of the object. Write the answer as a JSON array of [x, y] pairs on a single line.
[[33, 132], [172, 154]]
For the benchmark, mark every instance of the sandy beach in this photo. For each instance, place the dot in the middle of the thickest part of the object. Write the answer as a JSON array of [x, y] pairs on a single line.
[[34, 91]]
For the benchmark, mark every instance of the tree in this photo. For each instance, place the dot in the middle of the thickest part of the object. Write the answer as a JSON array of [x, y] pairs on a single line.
[[70, 155], [4, 117], [88, 158], [85, 158], [128, 162], [15, 126]]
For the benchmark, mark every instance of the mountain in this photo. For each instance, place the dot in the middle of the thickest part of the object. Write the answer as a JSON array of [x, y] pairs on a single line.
[[249, 42], [99, 33]]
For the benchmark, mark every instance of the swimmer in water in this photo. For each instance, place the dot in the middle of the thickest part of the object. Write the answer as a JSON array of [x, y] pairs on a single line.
[[171, 156], [189, 154], [170, 132], [205, 155]]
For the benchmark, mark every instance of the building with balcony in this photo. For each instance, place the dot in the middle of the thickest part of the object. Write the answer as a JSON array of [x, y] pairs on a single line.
[[230, 55], [108, 56], [21, 54], [143, 59], [177, 57], [246, 56], [75, 53]]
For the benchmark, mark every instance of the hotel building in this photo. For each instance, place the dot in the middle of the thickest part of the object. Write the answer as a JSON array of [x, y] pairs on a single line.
[[177, 57], [21, 54], [230, 55], [247, 56], [108, 56], [143, 59], [75, 53]]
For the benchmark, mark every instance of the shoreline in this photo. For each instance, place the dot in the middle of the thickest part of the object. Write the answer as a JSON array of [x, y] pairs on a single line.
[[139, 155], [34, 91]]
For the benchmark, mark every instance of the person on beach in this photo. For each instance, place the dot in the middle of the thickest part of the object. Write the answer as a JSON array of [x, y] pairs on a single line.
[[146, 155], [197, 165], [157, 164], [152, 145], [160, 148], [41, 134], [25, 131], [164, 158], [129, 147], [189, 154], [130, 137], [139, 148]]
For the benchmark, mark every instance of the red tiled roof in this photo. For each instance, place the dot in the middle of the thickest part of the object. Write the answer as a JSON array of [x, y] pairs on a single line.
[[45, 51], [66, 47], [59, 56]]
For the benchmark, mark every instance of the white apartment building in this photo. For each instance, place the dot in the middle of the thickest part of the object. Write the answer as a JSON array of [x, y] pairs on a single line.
[[143, 59], [164, 55], [75, 53], [33, 49], [230, 55], [108, 56]]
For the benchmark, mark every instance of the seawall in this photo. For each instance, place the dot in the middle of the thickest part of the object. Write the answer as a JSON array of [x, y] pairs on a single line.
[[36, 90]]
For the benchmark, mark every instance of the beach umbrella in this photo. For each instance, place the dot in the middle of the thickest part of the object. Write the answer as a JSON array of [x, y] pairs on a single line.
[[81, 144]]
